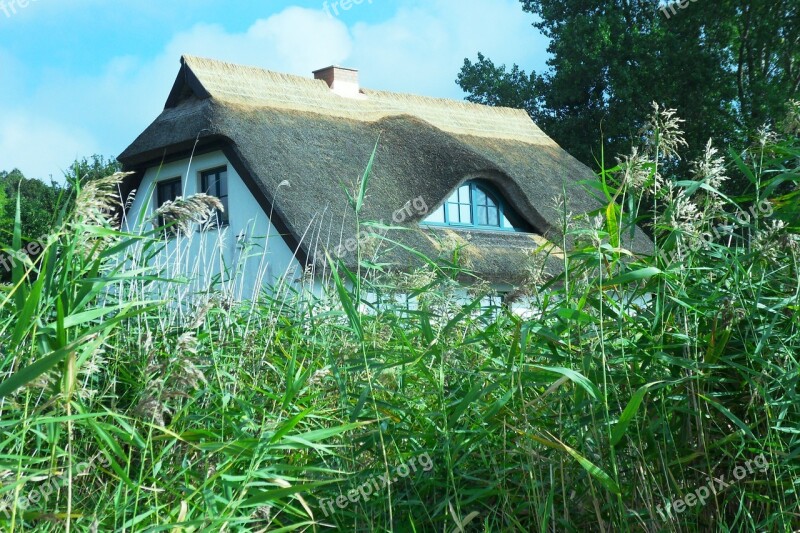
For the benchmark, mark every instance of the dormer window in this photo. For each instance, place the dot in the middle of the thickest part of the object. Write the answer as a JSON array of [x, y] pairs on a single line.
[[476, 205]]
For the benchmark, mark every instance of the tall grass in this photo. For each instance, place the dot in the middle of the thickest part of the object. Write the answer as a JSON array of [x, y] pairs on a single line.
[[632, 383]]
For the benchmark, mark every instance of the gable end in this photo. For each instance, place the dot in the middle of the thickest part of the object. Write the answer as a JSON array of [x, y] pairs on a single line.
[[186, 84]]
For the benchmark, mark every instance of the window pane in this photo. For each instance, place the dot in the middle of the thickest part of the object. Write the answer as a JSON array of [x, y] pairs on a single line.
[[224, 215], [215, 183], [223, 183], [466, 214], [463, 194], [211, 184], [494, 216], [437, 216], [453, 213], [168, 191], [483, 218], [480, 197], [211, 179], [486, 197]]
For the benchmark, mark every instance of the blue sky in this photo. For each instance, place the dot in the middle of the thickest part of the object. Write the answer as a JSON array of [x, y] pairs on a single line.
[[79, 77]]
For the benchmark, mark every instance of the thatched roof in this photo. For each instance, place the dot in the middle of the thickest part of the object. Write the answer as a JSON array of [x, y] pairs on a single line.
[[275, 127]]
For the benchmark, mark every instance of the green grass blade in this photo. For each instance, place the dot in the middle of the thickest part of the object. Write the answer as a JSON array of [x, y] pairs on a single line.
[[629, 413], [362, 191]]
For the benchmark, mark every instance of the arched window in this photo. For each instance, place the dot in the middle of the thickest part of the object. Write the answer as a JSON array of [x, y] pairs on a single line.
[[475, 205]]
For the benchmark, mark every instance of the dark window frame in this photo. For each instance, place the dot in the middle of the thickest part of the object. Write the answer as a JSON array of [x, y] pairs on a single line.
[[220, 173], [160, 197]]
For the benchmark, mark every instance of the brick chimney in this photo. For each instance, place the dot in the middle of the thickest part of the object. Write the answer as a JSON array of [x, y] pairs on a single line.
[[343, 81]]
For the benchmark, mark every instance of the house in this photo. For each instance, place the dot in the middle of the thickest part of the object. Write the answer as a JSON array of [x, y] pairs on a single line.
[[280, 151]]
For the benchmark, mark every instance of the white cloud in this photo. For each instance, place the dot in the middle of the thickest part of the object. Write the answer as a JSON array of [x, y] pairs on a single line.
[[420, 49], [295, 40]]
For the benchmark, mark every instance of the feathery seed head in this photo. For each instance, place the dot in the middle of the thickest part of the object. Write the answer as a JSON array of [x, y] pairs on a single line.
[[183, 213], [636, 174], [99, 200], [663, 133], [710, 168], [151, 409], [766, 136], [791, 124]]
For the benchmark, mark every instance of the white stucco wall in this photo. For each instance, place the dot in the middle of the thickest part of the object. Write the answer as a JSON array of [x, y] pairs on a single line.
[[238, 259]]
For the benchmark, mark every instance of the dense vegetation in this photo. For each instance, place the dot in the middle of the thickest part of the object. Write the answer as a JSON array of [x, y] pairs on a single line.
[[728, 66], [638, 383], [39, 201]]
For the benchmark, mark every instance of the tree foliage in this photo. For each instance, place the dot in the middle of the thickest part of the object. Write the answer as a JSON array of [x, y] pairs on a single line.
[[38, 205], [40, 202], [92, 168], [3, 202], [729, 67]]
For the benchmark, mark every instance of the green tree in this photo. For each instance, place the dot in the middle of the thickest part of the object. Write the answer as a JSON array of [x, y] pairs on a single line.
[[766, 38], [38, 205], [3, 202], [728, 67], [39, 201], [92, 168]]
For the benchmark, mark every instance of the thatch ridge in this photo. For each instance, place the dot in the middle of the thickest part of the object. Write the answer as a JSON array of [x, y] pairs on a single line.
[[260, 87]]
